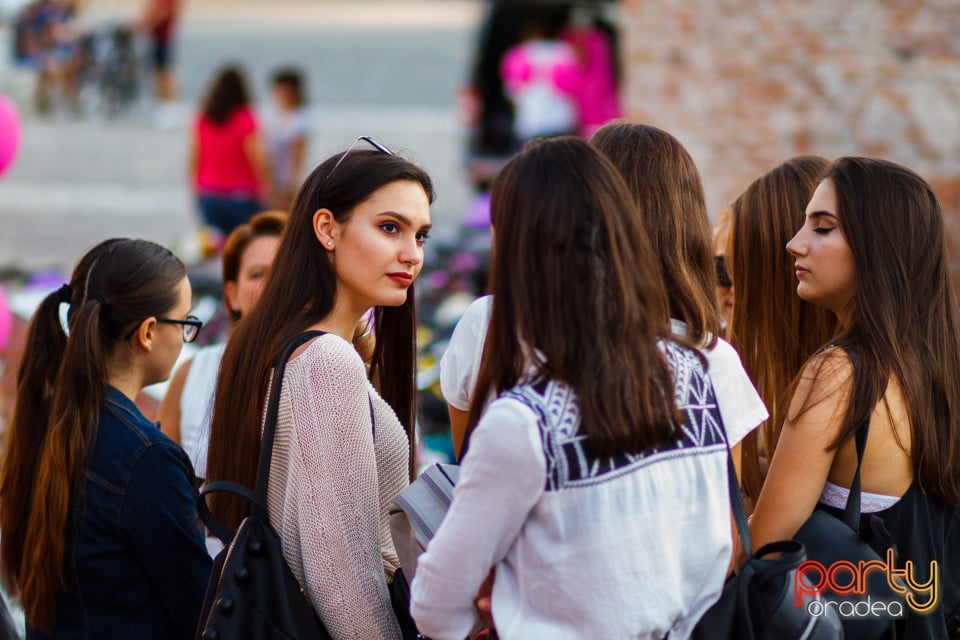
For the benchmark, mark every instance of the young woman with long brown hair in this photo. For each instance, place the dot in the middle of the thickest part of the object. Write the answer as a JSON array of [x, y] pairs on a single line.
[[602, 462], [666, 186], [97, 507], [343, 449], [773, 330], [872, 251]]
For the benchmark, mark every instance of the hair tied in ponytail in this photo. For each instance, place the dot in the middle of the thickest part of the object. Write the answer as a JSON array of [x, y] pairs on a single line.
[[99, 298], [64, 294]]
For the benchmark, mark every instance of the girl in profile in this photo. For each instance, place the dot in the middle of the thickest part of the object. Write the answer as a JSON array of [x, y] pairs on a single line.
[[343, 447], [872, 251], [605, 442], [97, 507]]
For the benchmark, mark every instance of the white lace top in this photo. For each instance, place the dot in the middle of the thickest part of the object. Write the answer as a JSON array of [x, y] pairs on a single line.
[[836, 496]]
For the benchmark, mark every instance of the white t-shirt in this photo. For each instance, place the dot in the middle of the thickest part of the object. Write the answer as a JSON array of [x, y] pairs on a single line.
[[282, 133], [741, 407], [630, 547], [196, 405]]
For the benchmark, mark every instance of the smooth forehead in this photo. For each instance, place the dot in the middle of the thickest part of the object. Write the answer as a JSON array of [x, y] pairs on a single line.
[[260, 250], [406, 198], [824, 199]]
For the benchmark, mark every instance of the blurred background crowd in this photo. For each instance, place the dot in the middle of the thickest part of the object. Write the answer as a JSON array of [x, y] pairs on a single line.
[[176, 120]]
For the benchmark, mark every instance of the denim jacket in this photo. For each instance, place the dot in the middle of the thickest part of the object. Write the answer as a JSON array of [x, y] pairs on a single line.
[[136, 562]]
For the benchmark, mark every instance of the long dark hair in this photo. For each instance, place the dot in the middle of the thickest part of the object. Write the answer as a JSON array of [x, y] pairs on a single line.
[[299, 293], [578, 296], [227, 94], [61, 384], [904, 316], [666, 186], [772, 329]]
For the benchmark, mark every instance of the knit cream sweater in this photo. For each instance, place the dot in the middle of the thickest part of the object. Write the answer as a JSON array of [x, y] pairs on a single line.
[[330, 484]]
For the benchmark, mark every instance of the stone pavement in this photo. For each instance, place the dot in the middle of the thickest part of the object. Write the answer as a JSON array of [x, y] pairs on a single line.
[[387, 68]]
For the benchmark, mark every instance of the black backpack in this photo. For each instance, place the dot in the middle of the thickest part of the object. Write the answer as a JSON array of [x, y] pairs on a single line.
[[252, 594]]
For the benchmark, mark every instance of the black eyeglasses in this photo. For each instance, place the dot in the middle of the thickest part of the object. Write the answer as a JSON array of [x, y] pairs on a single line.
[[189, 327], [723, 278], [376, 145]]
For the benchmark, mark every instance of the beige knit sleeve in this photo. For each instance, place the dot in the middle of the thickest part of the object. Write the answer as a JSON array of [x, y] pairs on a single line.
[[338, 506]]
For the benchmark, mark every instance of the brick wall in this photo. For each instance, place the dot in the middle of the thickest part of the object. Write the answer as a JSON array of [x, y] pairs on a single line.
[[746, 84]]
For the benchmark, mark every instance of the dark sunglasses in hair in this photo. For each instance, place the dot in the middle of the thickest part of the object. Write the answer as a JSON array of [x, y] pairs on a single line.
[[189, 328], [723, 278], [376, 145]]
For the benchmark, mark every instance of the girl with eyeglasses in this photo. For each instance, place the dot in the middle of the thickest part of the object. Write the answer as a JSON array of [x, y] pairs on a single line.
[[344, 442], [100, 533]]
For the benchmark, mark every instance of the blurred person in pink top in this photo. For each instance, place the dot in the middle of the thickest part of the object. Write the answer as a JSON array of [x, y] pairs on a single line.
[[596, 92], [229, 164], [542, 77]]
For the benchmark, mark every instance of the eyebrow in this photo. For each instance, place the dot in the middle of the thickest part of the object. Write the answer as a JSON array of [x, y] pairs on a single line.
[[816, 215], [404, 219]]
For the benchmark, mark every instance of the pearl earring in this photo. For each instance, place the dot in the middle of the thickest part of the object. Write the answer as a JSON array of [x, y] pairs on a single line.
[[329, 243]]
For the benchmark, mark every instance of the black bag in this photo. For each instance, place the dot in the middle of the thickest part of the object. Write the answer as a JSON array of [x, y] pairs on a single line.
[[252, 593], [758, 602], [828, 540]]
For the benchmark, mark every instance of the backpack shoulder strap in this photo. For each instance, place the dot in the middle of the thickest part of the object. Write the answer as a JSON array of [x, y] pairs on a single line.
[[257, 496]]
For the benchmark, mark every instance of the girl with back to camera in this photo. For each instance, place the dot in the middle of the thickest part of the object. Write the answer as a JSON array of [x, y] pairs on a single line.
[[872, 251], [354, 242], [773, 330], [228, 158], [604, 448], [666, 186], [100, 533]]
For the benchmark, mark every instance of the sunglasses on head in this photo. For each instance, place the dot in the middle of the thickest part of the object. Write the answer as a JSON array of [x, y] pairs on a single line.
[[376, 145]]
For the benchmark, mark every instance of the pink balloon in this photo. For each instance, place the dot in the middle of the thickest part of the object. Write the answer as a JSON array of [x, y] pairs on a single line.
[[6, 320], [9, 133]]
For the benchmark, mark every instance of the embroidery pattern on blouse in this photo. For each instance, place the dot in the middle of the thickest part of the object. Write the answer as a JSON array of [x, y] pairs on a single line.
[[568, 462]]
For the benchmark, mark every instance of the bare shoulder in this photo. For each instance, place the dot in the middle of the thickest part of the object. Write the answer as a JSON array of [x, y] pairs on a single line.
[[826, 377]]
